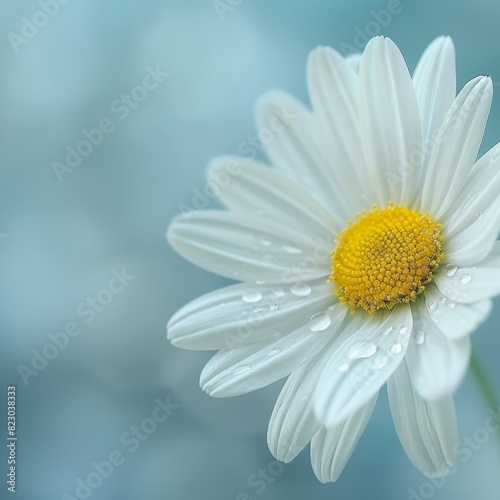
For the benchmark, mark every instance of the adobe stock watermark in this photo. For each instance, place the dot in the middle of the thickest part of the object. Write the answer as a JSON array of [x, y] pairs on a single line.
[[254, 319], [378, 20], [248, 149], [278, 122], [30, 27], [307, 267], [216, 182], [264, 305], [223, 7], [465, 449], [88, 310], [263, 477], [260, 480], [411, 164], [121, 107], [130, 441]]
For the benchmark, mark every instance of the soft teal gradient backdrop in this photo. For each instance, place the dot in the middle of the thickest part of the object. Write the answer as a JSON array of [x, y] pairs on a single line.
[[65, 238]]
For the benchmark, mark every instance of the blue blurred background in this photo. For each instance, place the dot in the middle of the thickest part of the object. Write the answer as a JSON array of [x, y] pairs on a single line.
[[65, 232]]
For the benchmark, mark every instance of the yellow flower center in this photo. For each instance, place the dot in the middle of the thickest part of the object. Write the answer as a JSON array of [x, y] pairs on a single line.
[[385, 257]]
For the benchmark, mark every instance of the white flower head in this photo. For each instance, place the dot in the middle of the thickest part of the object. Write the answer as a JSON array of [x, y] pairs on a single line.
[[367, 254]]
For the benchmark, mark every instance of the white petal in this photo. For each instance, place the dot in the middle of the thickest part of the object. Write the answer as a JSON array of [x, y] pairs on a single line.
[[477, 191], [245, 314], [333, 87], [456, 146], [436, 363], [390, 121], [427, 430], [454, 319], [332, 448], [367, 353], [472, 283], [475, 243], [256, 188], [486, 161], [251, 367], [354, 61], [295, 148], [435, 86], [473, 228], [293, 423], [247, 247]]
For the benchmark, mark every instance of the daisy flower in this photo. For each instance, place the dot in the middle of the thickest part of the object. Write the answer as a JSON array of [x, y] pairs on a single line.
[[367, 254]]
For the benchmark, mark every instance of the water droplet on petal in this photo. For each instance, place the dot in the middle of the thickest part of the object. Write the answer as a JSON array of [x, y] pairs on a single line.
[[319, 322], [257, 309], [452, 305], [252, 297], [396, 348], [292, 250], [278, 293], [433, 305], [301, 290], [443, 300], [379, 362], [273, 352], [419, 336], [363, 349], [403, 330], [466, 279], [273, 307], [389, 330], [241, 369], [343, 367], [450, 269]]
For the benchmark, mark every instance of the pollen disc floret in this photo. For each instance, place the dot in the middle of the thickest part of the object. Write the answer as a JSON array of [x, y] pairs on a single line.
[[385, 257]]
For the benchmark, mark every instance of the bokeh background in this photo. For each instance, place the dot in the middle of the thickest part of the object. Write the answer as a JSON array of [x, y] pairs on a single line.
[[62, 238]]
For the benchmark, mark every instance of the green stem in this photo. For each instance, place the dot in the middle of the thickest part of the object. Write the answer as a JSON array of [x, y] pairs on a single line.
[[484, 382]]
